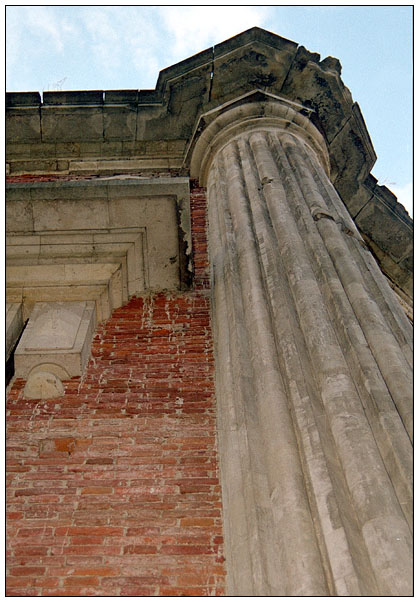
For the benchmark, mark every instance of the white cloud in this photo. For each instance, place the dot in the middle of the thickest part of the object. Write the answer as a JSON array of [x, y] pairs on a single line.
[[404, 195], [125, 36], [194, 28], [102, 36], [32, 33], [48, 25], [121, 39], [13, 38]]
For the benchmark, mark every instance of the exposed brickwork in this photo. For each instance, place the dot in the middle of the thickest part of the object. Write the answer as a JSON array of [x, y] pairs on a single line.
[[113, 489], [55, 177], [199, 236]]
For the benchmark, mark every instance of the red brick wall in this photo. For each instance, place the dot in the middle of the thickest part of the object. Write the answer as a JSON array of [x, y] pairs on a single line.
[[199, 237], [113, 489]]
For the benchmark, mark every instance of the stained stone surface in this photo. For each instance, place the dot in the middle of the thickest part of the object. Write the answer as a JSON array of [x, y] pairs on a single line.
[[55, 327], [59, 334], [313, 371], [43, 385]]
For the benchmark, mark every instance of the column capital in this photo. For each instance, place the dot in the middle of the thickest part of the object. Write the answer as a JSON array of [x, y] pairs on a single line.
[[256, 110]]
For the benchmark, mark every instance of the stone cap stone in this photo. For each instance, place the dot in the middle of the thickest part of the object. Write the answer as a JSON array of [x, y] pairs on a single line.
[[23, 99]]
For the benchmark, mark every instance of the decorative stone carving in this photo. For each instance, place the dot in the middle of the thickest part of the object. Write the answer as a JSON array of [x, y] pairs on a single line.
[[43, 385], [54, 346], [313, 360]]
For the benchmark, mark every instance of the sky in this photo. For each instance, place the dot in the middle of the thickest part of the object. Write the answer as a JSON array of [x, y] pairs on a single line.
[[101, 47]]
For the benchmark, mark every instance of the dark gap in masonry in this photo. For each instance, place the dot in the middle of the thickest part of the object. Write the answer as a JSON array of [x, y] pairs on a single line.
[[10, 363]]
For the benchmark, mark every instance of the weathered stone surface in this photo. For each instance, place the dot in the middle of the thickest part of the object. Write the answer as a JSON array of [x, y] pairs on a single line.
[[106, 284], [69, 215], [43, 385], [83, 97], [140, 227], [309, 358], [352, 155], [58, 334], [19, 216], [23, 126], [262, 64], [184, 100], [14, 99], [119, 123], [385, 221], [60, 123]]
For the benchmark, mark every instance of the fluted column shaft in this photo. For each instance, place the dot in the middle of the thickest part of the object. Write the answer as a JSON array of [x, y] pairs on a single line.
[[313, 384]]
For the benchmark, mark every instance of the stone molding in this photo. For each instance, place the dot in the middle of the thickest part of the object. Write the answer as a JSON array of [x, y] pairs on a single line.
[[102, 283], [255, 110], [101, 240]]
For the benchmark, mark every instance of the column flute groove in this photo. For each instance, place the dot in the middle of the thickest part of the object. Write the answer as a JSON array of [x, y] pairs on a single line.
[[342, 579], [238, 474], [375, 282], [380, 339], [361, 463], [382, 415], [288, 496]]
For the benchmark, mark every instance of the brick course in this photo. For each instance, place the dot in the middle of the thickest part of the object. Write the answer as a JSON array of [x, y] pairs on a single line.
[[113, 488]]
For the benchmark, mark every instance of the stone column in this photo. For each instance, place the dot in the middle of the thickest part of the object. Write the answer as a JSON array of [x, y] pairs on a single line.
[[313, 364]]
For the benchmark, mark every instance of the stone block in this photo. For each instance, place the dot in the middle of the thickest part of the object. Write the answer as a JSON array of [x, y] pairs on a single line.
[[158, 214], [23, 126], [69, 215], [112, 148], [23, 99], [19, 150], [79, 97], [64, 124], [321, 88], [58, 334], [149, 97], [392, 235], [43, 385], [121, 97], [355, 203], [19, 216], [119, 123], [352, 156], [186, 97]]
